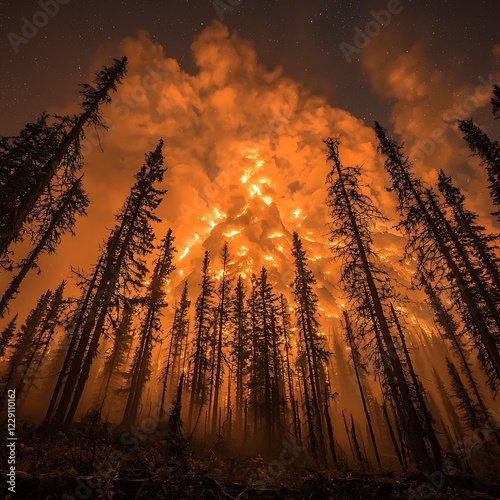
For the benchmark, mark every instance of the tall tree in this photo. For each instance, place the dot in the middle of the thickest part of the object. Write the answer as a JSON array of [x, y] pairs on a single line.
[[240, 347], [114, 362], [70, 204], [353, 216], [488, 152], [449, 331], [124, 269], [314, 344], [72, 333], [266, 381], [66, 151], [38, 350], [438, 249], [153, 303], [474, 238], [223, 315], [201, 341], [469, 409], [358, 365], [179, 333], [28, 333]]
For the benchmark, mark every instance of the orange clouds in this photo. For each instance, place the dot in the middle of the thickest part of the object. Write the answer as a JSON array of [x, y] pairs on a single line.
[[244, 151]]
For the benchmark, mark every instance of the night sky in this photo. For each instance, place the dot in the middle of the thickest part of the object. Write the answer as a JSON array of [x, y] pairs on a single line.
[[303, 37], [224, 108]]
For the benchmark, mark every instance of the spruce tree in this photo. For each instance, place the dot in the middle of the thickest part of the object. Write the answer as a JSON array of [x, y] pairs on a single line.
[[488, 152], [223, 314], [473, 237], [203, 323], [179, 333], [65, 152], [124, 269], [314, 344], [71, 203], [240, 347], [439, 251], [153, 303], [24, 342], [369, 290]]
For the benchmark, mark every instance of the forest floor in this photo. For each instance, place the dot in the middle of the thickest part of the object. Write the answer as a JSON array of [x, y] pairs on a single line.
[[102, 463]]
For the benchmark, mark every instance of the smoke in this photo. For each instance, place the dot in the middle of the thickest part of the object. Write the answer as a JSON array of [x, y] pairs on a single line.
[[244, 151], [245, 157], [428, 99]]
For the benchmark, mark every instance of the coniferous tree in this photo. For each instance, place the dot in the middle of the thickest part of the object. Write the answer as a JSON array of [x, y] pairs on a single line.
[[472, 236], [439, 252], [123, 269], [178, 337], [72, 338], [358, 365], [7, 334], [488, 152], [449, 331], [223, 315], [448, 407], [353, 216], [203, 323], [52, 146], [314, 344], [470, 411], [114, 362], [286, 328], [70, 204], [153, 303], [24, 341], [495, 101], [240, 347], [266, 385], [38, 351]]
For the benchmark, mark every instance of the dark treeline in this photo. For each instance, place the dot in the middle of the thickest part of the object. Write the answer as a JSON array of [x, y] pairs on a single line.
[[246, 365]]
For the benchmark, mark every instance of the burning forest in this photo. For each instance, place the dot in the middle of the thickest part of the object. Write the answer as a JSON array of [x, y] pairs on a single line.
[[217, 285]]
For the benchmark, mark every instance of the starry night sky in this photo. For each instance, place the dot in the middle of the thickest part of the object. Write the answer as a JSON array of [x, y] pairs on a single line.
[[302, 36]]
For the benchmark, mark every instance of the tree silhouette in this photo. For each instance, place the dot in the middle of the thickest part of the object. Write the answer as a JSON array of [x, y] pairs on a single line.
[[124, 269], [433, 240], [153, 303], [488, 152], [353, 216], [62, 150]]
